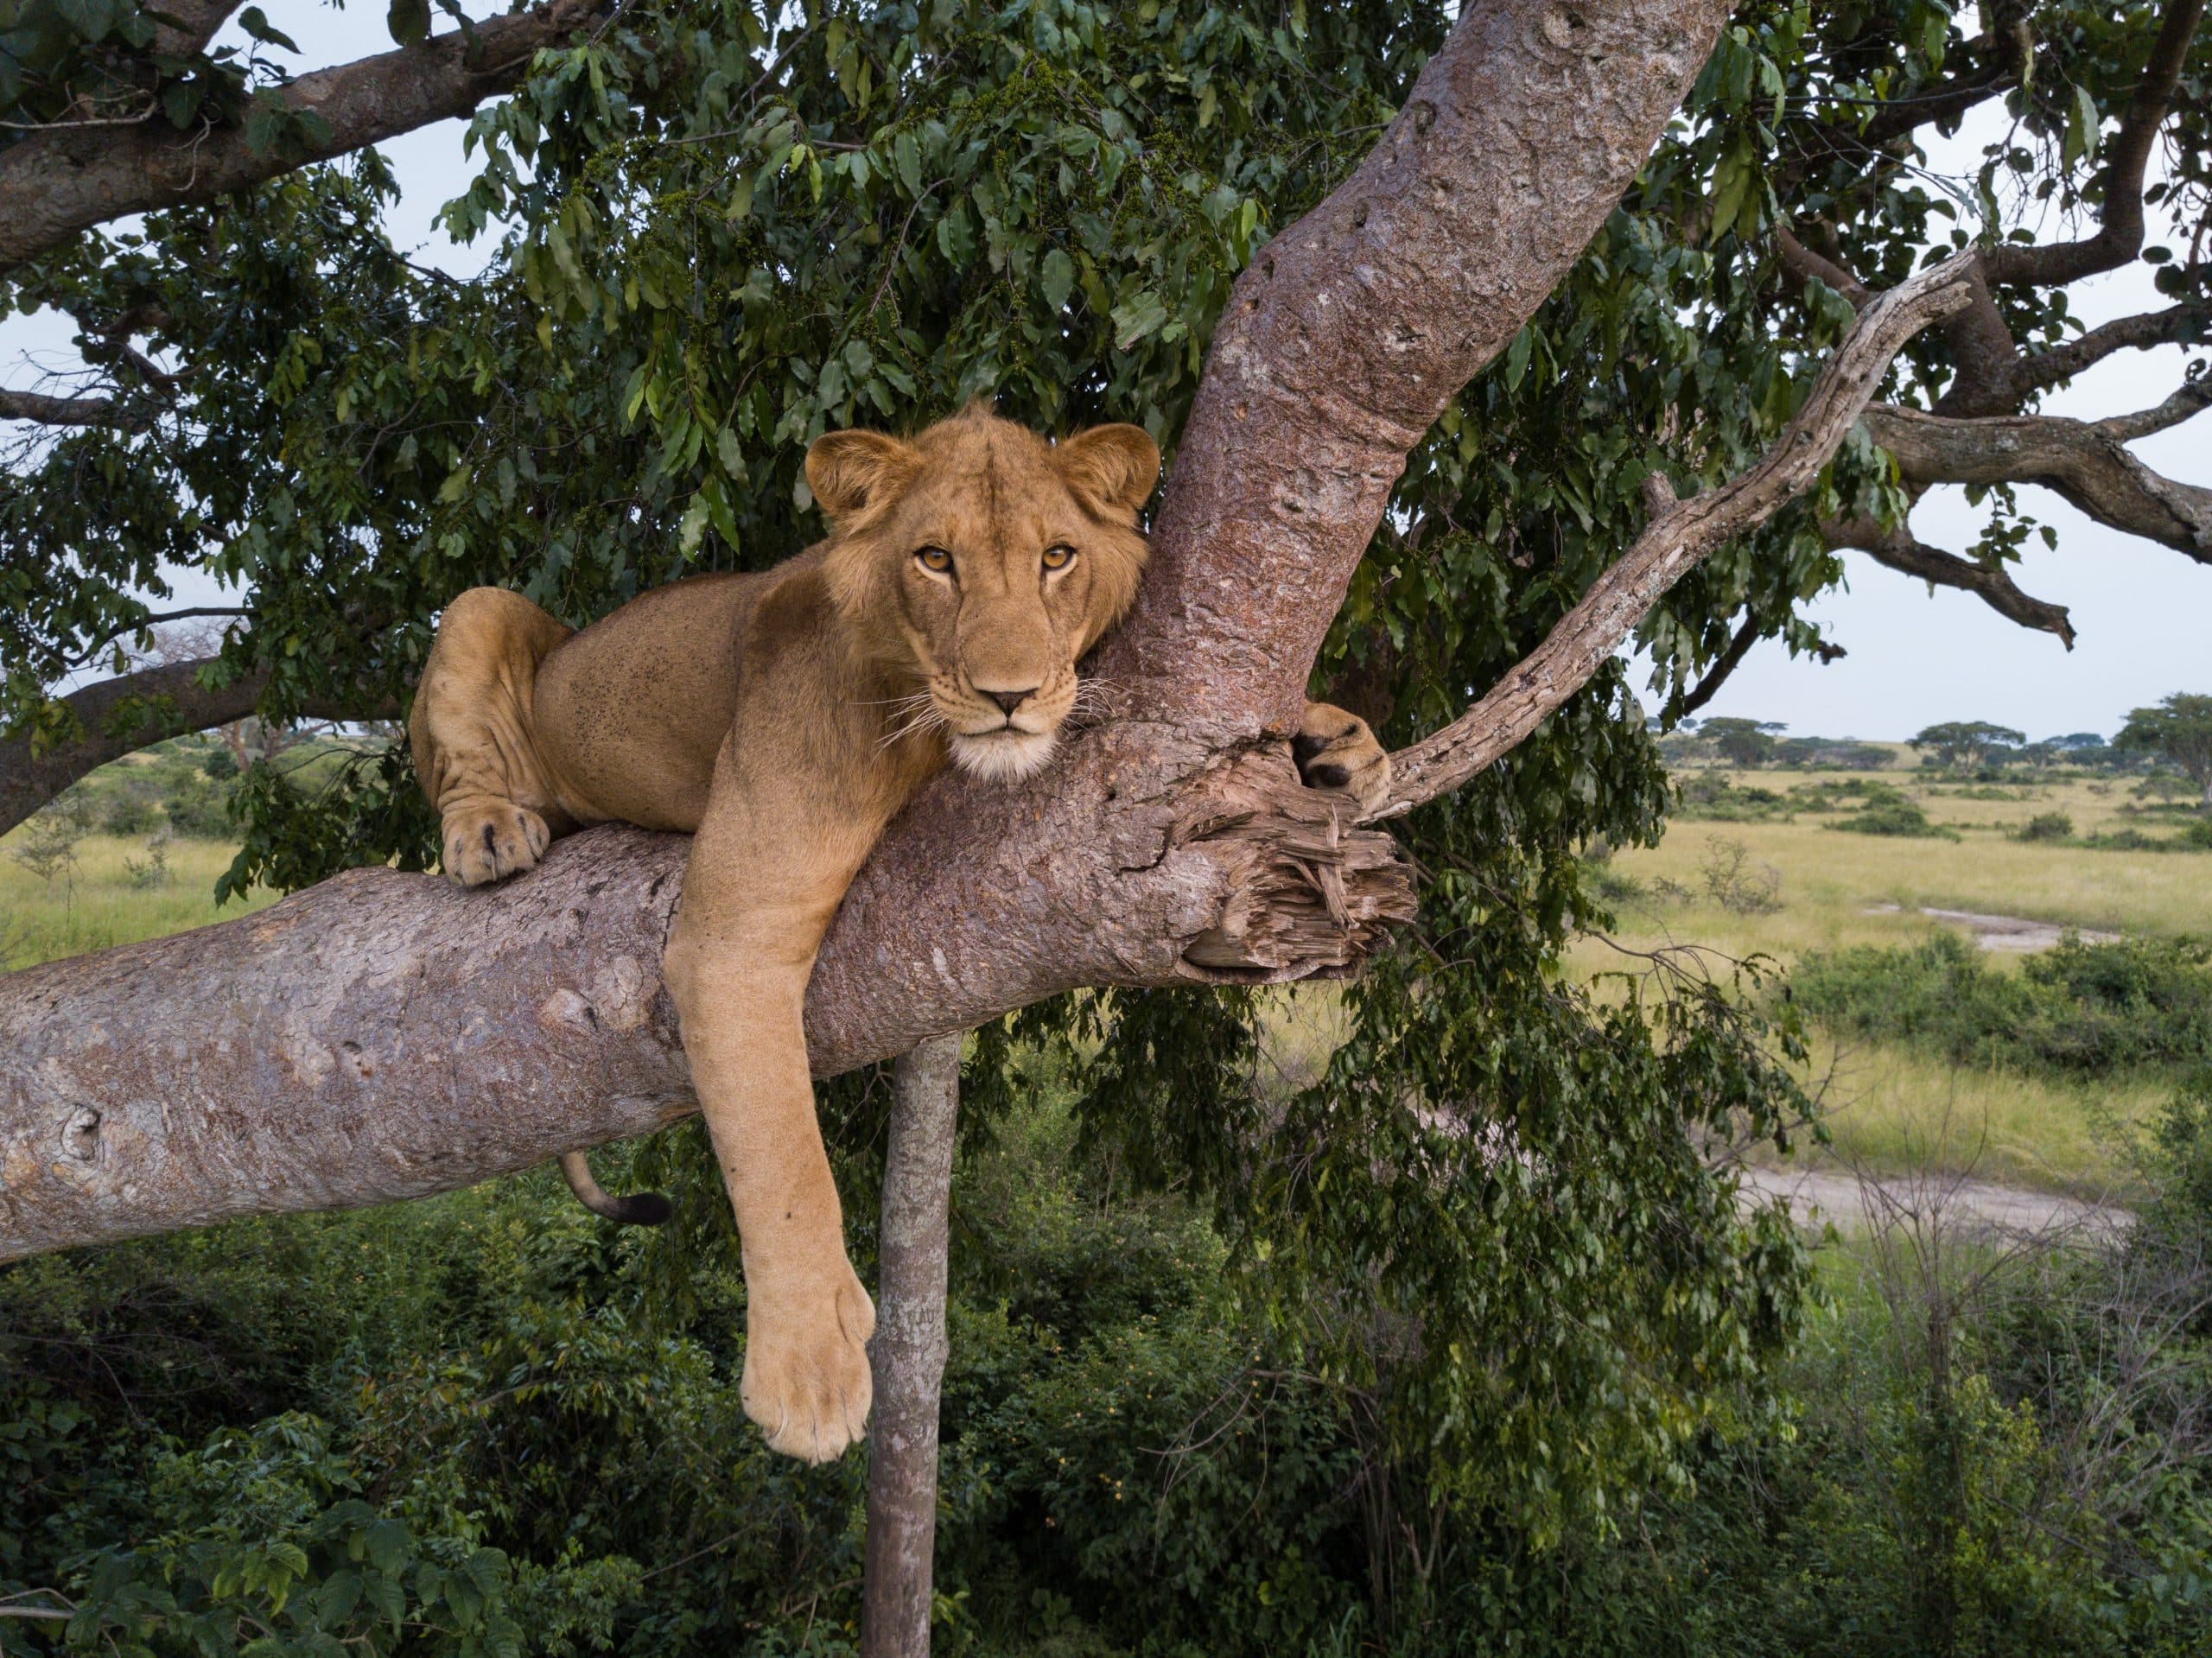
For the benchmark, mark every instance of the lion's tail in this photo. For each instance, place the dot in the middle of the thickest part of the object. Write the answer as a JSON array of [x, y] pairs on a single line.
[[640, 1208]]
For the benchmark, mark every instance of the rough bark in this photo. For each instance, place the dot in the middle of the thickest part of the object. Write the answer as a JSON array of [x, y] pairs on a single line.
[[62, 180], [383, 1037], [68, 411], [908, 1351]]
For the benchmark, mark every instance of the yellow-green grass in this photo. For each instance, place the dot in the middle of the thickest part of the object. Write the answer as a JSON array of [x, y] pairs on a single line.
[[97, 904], [1891, 1108], [1833, 884]]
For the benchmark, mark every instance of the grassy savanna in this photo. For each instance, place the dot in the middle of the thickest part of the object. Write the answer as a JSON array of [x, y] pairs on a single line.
[[98, 904], [1892, 1106]]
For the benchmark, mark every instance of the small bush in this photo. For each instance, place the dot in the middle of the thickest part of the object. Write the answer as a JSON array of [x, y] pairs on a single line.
[[152, 871], [2048, 826], [1738, 882], [127, 814], [198, 809], [1899, 817]]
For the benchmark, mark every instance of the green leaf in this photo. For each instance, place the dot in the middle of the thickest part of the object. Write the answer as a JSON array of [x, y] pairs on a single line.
[[387, 1544], [1135, 317], [408, 21], [257, 25], [1056, 276]]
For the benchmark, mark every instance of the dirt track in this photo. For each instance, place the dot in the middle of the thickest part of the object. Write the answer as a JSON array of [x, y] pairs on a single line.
[[1851, 1204]]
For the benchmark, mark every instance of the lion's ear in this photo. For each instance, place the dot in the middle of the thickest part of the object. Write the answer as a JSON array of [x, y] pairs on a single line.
[[851, 471], [1112, 468]]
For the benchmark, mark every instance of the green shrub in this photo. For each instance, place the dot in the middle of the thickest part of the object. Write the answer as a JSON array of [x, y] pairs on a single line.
[[2080, 1009], [2048, 826], [197, 808], [1898, 816]]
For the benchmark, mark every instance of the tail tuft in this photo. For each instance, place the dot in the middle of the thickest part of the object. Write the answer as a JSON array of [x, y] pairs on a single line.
[[637, 1209], [640, 1208]]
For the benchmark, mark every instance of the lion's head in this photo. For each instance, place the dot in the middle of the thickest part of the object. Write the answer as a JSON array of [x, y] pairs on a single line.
[[987, 561]]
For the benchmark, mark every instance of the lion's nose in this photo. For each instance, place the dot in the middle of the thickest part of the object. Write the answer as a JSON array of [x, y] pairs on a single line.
[[1010, 701]]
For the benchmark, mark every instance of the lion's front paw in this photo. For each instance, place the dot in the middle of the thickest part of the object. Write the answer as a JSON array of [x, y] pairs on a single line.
[[489, 840], [806, 1377], [1335, 750]]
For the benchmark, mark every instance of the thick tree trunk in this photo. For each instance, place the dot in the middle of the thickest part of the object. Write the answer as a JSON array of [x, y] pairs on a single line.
[[383, 1037], [908, 1351]]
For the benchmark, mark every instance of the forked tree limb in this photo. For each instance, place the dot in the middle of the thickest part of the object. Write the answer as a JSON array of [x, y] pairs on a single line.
[[382, 1037], [1680, 534], [2127, 155], [62, 180]]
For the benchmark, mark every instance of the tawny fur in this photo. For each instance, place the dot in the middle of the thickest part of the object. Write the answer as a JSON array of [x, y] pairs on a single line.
[[784, 718]]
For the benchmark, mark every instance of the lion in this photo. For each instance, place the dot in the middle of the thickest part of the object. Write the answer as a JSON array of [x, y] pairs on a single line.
[[783, 719]]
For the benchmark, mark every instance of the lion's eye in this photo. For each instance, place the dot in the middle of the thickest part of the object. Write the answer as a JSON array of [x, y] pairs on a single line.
[[935, 560], [1058, 558]]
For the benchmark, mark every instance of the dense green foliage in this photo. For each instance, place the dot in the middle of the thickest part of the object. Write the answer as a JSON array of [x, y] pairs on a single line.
[[494, 1438], [2080, 1009]]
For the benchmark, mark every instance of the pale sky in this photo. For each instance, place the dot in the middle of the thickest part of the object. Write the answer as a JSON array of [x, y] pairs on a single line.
[[2141, 611]]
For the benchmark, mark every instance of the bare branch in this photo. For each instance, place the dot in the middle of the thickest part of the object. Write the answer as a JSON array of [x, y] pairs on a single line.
[[1681, 535], [70, 411], [1899, 551], [1709, 683], [2191, 400], [57, 183], [2089, 464], [2128, 332]]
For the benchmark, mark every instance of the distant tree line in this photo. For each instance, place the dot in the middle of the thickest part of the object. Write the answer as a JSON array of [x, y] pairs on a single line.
[[2173, 736]]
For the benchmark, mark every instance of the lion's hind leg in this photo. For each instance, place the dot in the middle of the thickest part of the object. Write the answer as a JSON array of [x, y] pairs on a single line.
[[470, 731]]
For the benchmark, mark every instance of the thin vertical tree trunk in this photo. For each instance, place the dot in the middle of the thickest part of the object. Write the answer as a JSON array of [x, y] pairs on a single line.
[[907, 1353]]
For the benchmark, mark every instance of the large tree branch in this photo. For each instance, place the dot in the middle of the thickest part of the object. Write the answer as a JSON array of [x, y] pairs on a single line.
[[2088, 462], [1900, 550], [71, 411], [382, 1036], [127, 713], [61, 181], [1680, 535], [195, 24]]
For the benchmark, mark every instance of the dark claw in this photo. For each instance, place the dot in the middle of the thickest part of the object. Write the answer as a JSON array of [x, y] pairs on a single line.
[[1306, 746], [1331, 776]]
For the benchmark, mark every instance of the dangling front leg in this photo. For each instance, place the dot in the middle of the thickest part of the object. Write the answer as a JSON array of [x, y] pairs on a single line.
[[1337, 751], [768, 868]]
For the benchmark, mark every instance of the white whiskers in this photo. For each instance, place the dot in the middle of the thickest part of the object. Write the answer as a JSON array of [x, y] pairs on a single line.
[[909, 716]]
